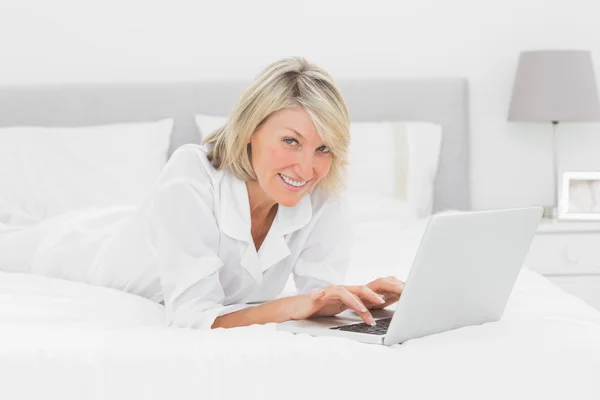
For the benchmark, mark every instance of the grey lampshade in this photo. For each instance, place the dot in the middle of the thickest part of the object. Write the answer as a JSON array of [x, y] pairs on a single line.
[[554, 85]]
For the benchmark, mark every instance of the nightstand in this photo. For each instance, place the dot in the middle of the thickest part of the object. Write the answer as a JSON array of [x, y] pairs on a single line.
[[568, 254]]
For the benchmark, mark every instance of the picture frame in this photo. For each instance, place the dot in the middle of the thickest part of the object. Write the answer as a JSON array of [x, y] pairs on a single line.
[[580, 196]]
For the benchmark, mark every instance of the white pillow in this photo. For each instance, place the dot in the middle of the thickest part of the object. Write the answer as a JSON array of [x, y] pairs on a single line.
[[395, 159], [371, 159], [47, 171], [386, 158], [207, 124], [367, 208]]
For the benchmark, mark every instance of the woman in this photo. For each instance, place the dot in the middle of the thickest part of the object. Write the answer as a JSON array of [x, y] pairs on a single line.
[[231, 219]]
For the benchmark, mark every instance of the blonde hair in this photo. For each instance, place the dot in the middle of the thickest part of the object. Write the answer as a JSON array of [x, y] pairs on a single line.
[[287, 83]]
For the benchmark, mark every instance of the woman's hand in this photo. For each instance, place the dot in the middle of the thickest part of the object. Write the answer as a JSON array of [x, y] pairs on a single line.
[[390, 288], [325, 302], [332, 300]]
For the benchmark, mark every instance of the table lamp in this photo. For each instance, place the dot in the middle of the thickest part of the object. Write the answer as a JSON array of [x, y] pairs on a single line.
[[554, 86]]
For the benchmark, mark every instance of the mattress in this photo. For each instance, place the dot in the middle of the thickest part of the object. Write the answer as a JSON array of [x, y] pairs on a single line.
[[69, 340]]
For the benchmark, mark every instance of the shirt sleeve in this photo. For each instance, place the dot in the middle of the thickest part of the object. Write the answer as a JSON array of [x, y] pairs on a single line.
[[185, 238], [325, 258]]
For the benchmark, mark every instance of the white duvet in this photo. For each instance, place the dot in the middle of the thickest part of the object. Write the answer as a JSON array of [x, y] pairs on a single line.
[[67, 340]]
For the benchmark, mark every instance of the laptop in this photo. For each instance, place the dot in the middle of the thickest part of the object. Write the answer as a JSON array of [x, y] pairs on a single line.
[[463, 273]]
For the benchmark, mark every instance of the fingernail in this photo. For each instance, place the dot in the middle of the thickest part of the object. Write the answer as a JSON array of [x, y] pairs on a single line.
[[381, 299], [373, 323], [362, 308]]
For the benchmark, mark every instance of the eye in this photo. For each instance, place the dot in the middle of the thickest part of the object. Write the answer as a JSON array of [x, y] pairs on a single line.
[[323, 149], [290, 141]]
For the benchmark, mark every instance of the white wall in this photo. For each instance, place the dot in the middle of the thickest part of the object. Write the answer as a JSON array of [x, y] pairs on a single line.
[[78, 40]]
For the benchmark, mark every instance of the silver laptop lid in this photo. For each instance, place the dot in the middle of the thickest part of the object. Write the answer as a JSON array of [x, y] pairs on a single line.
[[464, 271]]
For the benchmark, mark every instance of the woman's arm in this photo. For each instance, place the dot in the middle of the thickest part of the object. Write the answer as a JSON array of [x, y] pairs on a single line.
[[328, 301], [273, 311], [184, 236]]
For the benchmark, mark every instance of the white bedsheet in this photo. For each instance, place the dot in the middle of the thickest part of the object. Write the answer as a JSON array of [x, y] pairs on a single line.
[[67, 340]]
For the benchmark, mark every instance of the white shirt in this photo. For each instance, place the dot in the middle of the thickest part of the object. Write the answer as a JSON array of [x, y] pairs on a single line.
[[194, 231]]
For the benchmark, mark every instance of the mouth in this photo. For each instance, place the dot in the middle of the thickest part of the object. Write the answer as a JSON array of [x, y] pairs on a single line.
[[291, 182]]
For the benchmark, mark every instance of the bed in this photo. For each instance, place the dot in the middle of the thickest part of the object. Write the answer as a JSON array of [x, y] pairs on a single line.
[[65, 339]]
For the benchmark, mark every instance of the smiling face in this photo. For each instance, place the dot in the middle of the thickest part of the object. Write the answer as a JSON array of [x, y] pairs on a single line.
[[288, 157]]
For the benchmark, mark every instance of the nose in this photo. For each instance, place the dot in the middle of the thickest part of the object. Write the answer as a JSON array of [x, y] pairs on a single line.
[[304, 167]]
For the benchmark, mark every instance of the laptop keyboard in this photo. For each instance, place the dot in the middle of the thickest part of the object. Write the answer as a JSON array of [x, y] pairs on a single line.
[[379, 329]]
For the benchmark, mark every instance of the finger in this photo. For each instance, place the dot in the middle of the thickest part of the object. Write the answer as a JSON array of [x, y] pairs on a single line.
[[389, 284], [365, 293], [317, 294], [352, 302], [390, 298], [365, 315]]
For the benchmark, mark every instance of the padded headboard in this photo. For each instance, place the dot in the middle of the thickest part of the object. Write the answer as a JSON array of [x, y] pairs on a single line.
[[440, 100]]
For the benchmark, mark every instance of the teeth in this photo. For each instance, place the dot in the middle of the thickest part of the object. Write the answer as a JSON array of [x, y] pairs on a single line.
[[291, 182]]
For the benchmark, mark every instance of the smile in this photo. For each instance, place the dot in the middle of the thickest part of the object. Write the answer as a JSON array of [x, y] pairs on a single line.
[[292, 182]]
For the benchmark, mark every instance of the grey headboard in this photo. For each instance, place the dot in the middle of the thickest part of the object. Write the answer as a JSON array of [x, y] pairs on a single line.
[[440, 100]]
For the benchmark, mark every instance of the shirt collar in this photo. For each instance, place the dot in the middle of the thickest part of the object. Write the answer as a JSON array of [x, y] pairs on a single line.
[[234, 221]]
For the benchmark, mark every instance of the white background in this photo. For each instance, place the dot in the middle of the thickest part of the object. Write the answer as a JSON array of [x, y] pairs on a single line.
[[122, 40]]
